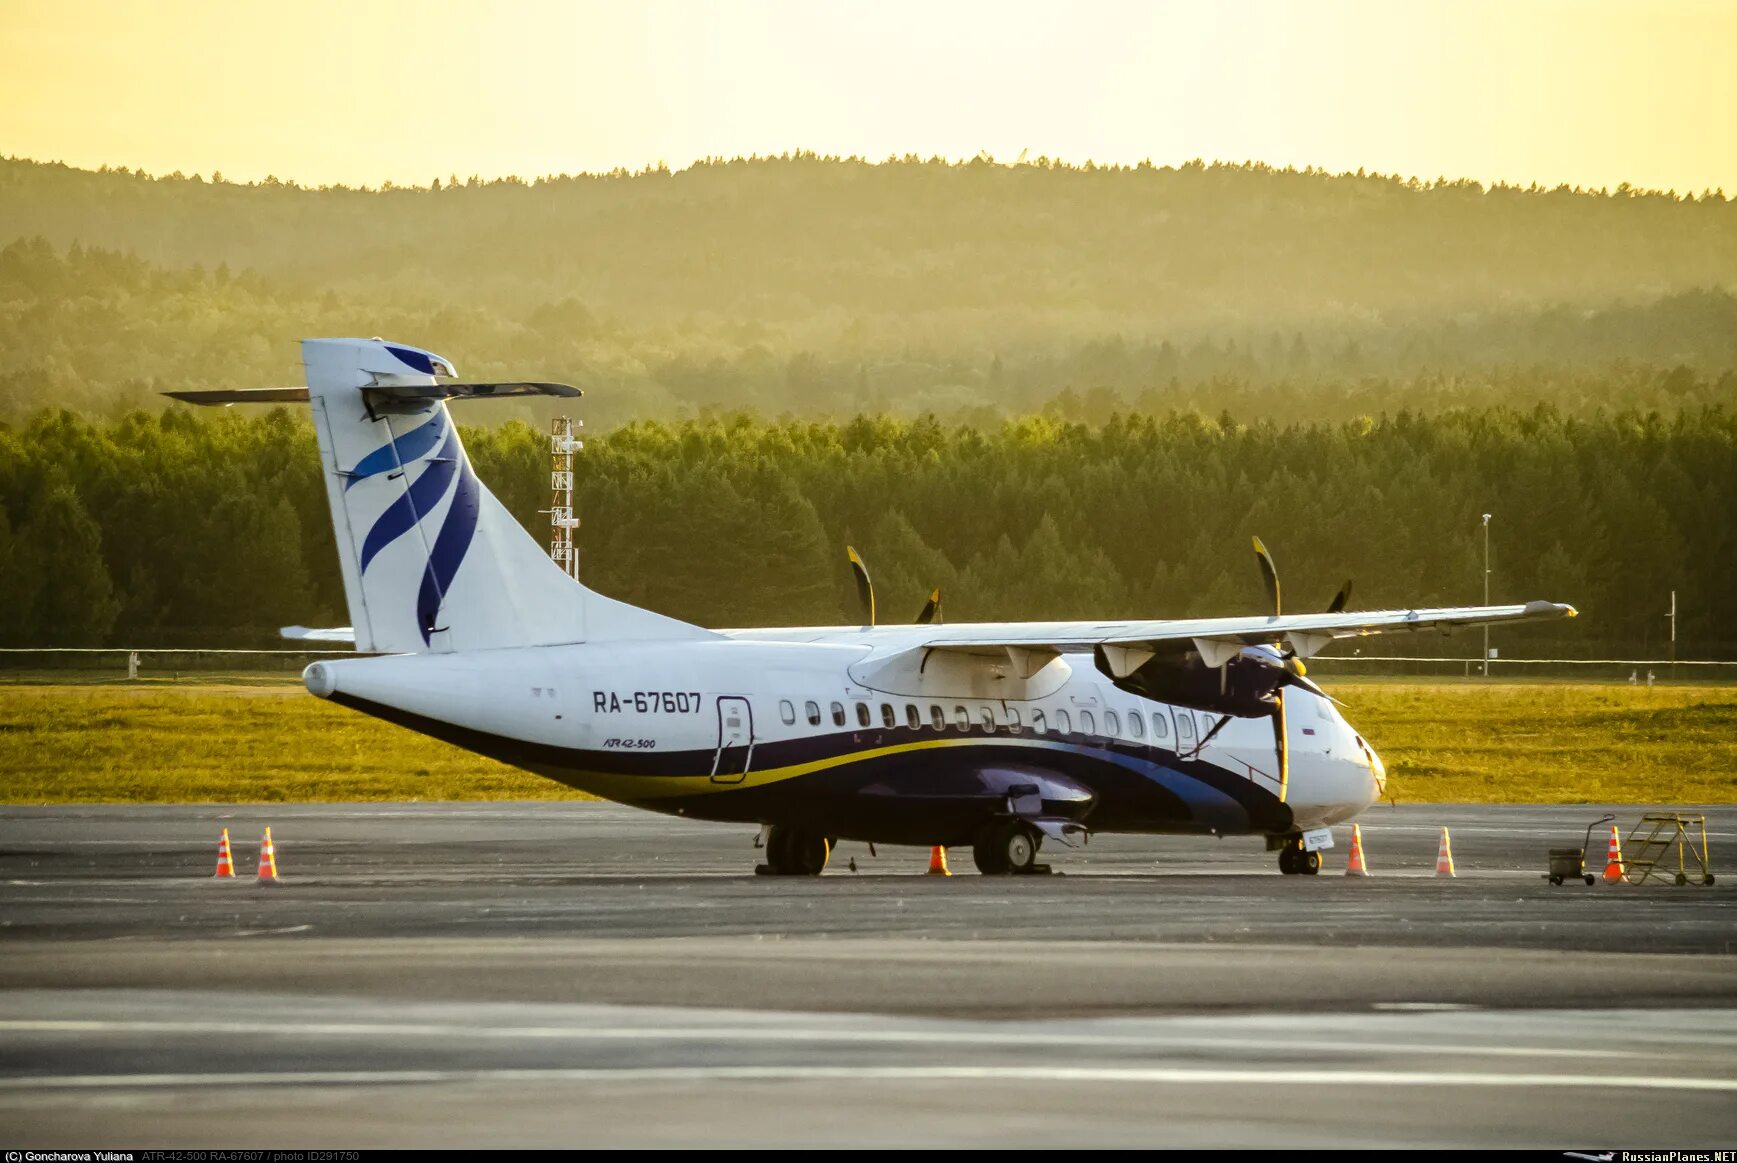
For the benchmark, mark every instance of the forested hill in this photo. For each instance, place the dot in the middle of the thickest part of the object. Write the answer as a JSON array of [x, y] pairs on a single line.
[[823, 286], [187, 530]]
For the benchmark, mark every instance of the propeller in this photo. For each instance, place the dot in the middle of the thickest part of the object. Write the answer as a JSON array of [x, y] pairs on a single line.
[[865, 594], [865, 589], [1291, 668]]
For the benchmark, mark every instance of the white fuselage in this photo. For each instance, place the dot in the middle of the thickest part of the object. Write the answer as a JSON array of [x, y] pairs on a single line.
[[689, 727]]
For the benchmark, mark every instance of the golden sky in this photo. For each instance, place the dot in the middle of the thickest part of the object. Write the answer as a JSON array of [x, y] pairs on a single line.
[[1593, 92]]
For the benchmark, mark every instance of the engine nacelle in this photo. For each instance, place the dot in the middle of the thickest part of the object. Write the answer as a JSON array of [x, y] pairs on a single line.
[[1243, 687]]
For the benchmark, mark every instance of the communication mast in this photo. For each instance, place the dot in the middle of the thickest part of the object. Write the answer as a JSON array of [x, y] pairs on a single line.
[[562, 520]]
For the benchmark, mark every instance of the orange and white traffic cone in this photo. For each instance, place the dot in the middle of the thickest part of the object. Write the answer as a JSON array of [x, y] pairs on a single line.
[[1613, 870], [225, 862], [938, 861], [1444, 856], [1355, 866], [267, 860]]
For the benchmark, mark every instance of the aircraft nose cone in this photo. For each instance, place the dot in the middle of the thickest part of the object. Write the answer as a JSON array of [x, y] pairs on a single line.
[[319, 680]]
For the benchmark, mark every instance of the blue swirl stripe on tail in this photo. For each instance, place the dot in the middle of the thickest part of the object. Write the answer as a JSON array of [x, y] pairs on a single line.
[[413, 445], [450, 546], [423, 494]]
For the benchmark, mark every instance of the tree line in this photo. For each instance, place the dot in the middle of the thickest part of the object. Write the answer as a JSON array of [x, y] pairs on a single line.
[[184, 529], [824, 287]]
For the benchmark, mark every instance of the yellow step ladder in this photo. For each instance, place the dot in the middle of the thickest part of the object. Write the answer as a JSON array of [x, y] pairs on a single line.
[[1650, 847]]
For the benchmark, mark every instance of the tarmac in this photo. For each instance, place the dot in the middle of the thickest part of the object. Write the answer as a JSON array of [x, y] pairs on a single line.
[[579, 974]]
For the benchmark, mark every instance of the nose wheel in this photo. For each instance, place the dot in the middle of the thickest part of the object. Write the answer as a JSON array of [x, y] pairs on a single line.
[[1294, 861]]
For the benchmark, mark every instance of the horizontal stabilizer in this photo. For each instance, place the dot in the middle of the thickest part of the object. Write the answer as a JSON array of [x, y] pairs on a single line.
[[305, 634], [394, 393], [451, 391], [223, 397]]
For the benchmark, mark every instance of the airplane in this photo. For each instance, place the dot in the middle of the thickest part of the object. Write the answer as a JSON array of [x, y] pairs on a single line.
[[999, 736]]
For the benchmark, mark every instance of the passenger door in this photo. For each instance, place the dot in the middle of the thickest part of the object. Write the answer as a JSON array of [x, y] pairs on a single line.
[[735, 740]]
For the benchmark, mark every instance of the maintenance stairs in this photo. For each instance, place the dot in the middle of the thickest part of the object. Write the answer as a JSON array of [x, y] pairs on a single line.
[[1652, 840]]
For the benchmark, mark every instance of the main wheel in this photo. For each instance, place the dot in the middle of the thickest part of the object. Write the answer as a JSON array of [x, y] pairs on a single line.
[[1309, 863], [809, 854], [1288, 860], [1556, 880], [778, 850], [791, 852], [1008, 846]]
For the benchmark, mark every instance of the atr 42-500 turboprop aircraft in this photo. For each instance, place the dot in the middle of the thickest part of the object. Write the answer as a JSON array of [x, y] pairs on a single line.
[[996, 735]]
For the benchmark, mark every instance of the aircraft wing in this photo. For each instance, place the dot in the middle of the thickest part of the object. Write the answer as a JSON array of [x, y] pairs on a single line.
[[305, 634], [1129, 645]]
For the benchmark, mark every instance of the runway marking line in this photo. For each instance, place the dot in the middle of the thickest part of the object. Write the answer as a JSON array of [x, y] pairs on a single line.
[[1314, 1043], [1094, 1074]]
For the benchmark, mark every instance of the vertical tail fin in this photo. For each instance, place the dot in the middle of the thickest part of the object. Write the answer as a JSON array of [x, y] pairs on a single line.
[[431, 560]]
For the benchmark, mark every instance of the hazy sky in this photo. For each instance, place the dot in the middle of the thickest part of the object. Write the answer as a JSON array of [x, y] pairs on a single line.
[[1593, 92]]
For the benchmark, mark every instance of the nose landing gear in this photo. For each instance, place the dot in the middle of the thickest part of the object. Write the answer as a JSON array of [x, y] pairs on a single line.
[[1295, 861]]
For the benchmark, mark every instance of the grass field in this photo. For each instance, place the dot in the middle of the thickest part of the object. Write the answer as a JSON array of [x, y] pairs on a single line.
[[264, 739]]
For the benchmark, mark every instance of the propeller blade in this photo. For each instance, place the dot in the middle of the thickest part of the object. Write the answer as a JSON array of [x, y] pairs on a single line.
[[1340, 598], [1269, 574], [1292, 678], [932, 610], [1281, 746], [865, 589]]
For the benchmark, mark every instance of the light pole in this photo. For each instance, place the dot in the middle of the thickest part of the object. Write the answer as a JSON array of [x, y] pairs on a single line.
[[1486, 593]]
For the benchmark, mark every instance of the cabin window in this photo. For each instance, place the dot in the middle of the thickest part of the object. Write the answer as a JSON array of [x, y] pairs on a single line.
[[1064, 722], [937, 718], [1205, 724], [962, 718], [989, 720], [887, 717], [787, 711], [1013, 722], [1160, 725], [1136, 725], [1088, 725], [812, 709], [1038, 724], [862, 715], [1112, 725], [1185, 727], [838, 714], [913, 717]]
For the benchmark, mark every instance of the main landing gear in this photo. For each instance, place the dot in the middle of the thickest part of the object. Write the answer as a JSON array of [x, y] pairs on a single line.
[[1294, 861], [792, 852], [1008, 846]]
